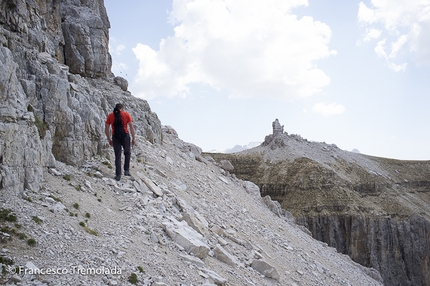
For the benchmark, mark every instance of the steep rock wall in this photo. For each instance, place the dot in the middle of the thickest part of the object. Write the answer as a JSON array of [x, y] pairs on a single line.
[[56, 88], [399, 249]]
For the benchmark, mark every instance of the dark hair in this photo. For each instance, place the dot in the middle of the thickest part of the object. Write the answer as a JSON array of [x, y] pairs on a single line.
[[119, 132], [119, 106]]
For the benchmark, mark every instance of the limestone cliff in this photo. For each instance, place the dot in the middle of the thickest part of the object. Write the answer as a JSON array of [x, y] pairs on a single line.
[[56, 88], [374, 209]]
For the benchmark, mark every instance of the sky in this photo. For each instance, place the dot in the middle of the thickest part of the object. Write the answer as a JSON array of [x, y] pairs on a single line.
[[351, 73]]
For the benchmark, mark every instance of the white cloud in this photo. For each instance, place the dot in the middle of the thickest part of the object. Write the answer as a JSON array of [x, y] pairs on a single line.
[[328, 109], [119, 49], [405, 26], [251, 48], [371, 34]]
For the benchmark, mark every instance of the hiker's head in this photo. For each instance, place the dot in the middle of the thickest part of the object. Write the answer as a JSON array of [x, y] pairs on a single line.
[[119, 106]]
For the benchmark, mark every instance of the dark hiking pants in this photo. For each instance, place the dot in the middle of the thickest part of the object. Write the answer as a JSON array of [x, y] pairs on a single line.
[[117, 144]]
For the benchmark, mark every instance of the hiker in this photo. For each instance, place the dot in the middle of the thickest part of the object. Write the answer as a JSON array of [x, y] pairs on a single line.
[[120, 121]]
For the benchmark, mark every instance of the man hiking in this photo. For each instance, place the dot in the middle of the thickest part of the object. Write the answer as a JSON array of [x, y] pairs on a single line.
[[120, 121]]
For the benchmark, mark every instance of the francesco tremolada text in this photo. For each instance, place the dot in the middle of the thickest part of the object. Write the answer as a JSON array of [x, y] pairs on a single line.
[[102, 270]]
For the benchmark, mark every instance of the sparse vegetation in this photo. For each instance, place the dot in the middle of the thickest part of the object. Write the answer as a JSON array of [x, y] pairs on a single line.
[[76, 206], [133, 278], [67, 177], [31, 242], [37, 220], [78, 187], [87, 215], [91, 231], [140, 268], [55, 198], [7, 215], [41, 126], [3, 260], [108, 164]]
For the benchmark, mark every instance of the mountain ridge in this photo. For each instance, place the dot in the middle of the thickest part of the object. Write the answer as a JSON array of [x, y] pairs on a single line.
[[360, 204]]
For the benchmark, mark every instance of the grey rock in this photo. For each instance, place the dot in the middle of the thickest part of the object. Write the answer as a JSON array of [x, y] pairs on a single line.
[[277, 128], [223, 255], [265, 268], [274, 206], [191, 240], [121, 82], [226, 165], [251, 188]]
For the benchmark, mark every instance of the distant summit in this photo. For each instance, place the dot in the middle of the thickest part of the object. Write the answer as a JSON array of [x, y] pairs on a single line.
[[239, 148], [236, 148]]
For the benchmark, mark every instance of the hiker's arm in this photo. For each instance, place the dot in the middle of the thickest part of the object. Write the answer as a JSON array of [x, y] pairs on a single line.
[[133, 138], [107, 132]]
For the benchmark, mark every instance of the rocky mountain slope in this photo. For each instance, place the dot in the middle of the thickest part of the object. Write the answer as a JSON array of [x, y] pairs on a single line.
[[180, 220], [374, 209]]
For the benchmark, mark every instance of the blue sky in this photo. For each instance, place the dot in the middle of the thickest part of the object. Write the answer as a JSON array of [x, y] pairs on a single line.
[[350, 73]]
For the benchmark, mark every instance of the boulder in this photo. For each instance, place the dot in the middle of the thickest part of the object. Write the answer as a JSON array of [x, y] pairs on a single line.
[[265, 268], [192, 241]]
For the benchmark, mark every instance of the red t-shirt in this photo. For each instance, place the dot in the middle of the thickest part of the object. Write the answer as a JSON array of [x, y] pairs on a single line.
[[125, 116]]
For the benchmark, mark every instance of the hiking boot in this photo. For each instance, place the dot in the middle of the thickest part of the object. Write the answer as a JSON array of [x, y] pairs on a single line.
[[118, 177], [127, 173]]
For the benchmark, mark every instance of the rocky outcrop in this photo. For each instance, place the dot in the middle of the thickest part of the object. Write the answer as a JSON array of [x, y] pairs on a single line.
[[56, 88], [85, 27], [373, 209]]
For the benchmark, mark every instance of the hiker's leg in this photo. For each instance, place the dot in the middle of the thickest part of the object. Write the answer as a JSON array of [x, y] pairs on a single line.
[[117, 150], [127, 153]]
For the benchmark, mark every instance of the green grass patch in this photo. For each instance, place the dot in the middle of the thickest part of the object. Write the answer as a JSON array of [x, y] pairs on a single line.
[[133, 278], [37, 220], [31, 242], [91, 231], [7, 215]]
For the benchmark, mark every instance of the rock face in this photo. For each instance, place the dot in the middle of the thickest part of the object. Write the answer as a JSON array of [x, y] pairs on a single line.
[[373, 209], [399, 249], [56, 88], [85, 27]]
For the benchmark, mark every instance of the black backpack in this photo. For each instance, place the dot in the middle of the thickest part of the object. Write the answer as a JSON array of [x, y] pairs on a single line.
[[119, 132]]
